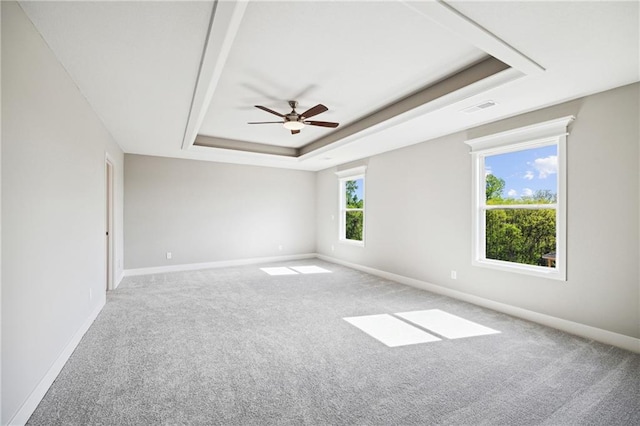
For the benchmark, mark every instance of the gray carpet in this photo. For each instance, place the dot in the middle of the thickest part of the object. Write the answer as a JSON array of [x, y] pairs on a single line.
[[236, 346]]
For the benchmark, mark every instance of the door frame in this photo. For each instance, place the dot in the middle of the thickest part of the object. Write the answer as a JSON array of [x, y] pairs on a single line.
[[109, 168]]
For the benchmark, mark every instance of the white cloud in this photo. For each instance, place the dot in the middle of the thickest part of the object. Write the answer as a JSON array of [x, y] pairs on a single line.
[[527, 192], [487, 171], [528, 175], [546, 166], [512, 193]]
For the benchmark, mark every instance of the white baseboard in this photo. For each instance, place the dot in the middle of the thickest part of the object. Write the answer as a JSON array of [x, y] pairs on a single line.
[[219, 264], [118, 280], [41, 389], [582, 330]]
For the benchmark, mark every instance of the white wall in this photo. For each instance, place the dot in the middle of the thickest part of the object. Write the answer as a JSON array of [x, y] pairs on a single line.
[[53, 214], [418, 216], [209, 212]]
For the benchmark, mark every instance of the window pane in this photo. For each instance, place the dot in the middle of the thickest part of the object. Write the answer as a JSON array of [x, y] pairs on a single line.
[[522, 177], [354, 222], [354, 196], [521, 236]]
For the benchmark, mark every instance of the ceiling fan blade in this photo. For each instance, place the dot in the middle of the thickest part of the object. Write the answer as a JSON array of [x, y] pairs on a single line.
[[314, 111], [322, 123], [269, 110], [265, 122], [295, 132]]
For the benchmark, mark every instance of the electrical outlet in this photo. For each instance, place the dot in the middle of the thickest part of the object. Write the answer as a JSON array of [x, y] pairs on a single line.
[[168, 255], [90, 294], [454, 275], [332, 247], [280, 247]]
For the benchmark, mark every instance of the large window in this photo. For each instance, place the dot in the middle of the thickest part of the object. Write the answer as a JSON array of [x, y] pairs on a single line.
[[519, 193], [352, 208]]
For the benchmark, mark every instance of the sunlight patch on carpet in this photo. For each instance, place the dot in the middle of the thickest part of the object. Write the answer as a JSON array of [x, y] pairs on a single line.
[[446, 324], [311, 269], [390, 331], [280, 270], [294, 270]]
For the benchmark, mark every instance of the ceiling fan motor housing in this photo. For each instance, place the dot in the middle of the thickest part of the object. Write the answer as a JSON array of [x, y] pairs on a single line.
[[292, 117]]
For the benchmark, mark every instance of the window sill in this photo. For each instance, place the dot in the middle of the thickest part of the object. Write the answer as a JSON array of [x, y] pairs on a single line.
[[352, 242], [532, 270]]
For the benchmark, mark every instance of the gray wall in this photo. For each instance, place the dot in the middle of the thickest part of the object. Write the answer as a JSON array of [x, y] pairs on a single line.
[[207, 212], [53, 209], [419, 218], [418, 213]]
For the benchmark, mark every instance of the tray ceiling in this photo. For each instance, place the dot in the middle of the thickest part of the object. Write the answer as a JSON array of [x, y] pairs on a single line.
[[180, 78], [355, 62]]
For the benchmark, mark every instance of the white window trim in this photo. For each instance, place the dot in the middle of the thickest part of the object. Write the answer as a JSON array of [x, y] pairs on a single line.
[[547, 133], [343, 176]]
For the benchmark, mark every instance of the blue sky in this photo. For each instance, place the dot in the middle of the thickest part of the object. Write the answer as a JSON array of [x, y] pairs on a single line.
[[525, 172], [360, 188]]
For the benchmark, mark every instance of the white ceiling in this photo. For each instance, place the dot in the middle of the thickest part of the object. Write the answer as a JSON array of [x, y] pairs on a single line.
[[135, 62], [160, 73], [351, 58]]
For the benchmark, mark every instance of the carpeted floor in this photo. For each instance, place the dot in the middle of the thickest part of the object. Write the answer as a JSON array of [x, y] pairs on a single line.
[[236, 346]]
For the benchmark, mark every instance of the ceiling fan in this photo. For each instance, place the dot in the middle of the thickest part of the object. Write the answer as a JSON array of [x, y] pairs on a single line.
[[294, 121]]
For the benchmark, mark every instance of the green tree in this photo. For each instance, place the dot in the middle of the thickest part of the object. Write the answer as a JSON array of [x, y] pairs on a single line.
[[353, 202], [494, 187], [519, 235], [354, 220], [545, 196], [504, 239]]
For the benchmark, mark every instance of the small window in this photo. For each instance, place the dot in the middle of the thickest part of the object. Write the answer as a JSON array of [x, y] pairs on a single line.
[[352, 206], [519, 193]]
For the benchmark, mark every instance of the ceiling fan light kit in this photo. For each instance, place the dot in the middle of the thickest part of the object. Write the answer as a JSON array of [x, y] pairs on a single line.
[[293, 125], [296, 122]]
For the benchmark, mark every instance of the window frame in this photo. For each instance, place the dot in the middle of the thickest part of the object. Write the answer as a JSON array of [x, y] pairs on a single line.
[[344, 176], [548, 133]]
